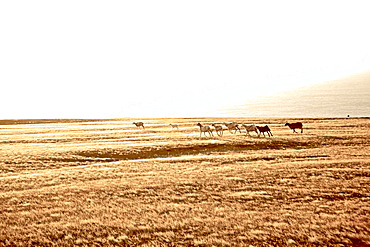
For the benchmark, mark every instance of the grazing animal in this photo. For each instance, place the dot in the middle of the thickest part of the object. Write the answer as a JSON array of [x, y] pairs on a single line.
[[232, 126], [250, 128], [139, 124], [219, 130], [205, 129], [174, 126], [294, 126], [263, 129]]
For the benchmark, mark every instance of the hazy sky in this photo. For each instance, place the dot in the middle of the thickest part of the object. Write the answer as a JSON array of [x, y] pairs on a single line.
[[106, 59]]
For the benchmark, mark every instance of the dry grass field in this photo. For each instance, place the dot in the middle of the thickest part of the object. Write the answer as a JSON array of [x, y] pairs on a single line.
[[108, 183]]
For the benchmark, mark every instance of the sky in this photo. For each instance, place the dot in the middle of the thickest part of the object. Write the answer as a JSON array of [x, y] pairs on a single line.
[[113, 59]]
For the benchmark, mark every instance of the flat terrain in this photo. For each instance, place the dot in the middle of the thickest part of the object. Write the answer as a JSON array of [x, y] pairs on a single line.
[[106, 182]]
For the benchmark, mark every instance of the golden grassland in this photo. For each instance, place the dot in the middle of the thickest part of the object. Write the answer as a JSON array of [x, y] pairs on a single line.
[[107, 183]]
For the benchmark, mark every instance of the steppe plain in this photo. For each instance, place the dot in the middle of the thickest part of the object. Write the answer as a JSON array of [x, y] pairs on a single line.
[[104, 182]]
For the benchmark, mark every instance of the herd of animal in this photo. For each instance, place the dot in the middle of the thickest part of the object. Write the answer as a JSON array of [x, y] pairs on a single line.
[[233, 126]]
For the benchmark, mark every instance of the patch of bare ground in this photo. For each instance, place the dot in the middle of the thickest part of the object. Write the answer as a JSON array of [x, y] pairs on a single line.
[[310, 189], [191, 149]]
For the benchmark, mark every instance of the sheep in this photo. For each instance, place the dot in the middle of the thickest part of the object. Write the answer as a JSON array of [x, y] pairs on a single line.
[[232, 126], [249, 128], [205, 128], [139, 124], [294, 126], [174, 126], [219, 130]]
